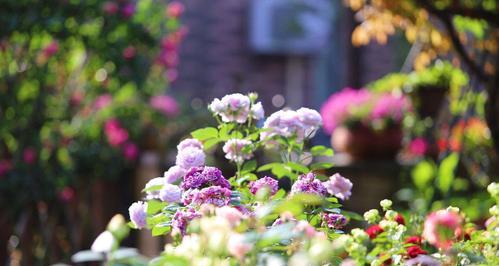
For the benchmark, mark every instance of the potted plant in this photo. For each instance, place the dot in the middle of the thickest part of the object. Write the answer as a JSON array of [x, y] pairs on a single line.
[[365, 124]]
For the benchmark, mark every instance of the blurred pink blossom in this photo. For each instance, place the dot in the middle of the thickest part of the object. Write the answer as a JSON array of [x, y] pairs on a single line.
[[174, 9], [418, 146], [442, 227], [51, 49], [29, 155], [110, 8], [165, 104], [5, 166], [130, 151], [103, 101], [129, 52], [128, 10], [116, 135], [237, 246], [66, 194]]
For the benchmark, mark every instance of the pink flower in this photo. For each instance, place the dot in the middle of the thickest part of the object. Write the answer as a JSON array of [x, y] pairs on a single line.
[[130, 151], [128, 10], [129, 52], [102, 101], [165, 104], [29, 155], [189, 143], [67, 194], [51, 49], [441, 228], [5, 166], [418, 146], [307, 229], [174, 174], [190, 157], [237, 246], [238, 150], [339, 186], [232, 108], [170, 193], [116, 135], [232, 215], [174, 9], [110, 8]]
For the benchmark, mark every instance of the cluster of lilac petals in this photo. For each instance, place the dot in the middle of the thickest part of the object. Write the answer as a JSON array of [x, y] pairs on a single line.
[[334, 220], [339, 186], [170, 193], [205, 176], [138, 214], [182, 218], [236, 108], [309, 184], [265, 182], [174, 174], [194, 143], [238, 150], [302, 124], [154, 194], [214, 195], [190, 157]]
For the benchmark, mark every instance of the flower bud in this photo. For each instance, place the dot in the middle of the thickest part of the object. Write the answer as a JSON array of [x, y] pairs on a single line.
[[117, 226], [386, 204]]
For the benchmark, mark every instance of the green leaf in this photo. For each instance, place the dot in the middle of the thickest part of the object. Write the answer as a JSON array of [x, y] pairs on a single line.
[[353, 215], [205, 133], [319, 166], [224, 133], [208, 144], [298, 167], [152, 188], [446, 172], [423, 173], [281, 170], [249, 166], [153, 206], [160, 229], [321, 150], [267, 167]]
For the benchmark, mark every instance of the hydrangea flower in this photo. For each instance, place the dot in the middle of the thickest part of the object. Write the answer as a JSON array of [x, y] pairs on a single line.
[[334, 220], [199, 177], [308, 184], [441, 228], [339, 186], [189, 143], [214, 195], [182, 218], [170, 193], [190, 157], [268, 182], [138, 214], [232, 108], [154, 194], [174, 174], [301, 124], [238, 150]]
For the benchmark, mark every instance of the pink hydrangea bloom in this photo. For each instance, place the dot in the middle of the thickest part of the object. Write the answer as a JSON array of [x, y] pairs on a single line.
[[442, 227], [232, 108], [138, 214], [238, 246], [339, 186], [390, 106], [174, 174], [189, 143], [116, 135], [130, 151], [190, 157], [165, 104], [238, 150], [129, 52]]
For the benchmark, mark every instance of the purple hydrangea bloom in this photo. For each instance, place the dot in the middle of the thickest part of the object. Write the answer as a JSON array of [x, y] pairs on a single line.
[[189, 143], [266, 181], [174, 174], [339, 186], [215, 195], [154, 194], [308, 184], [138, 214], [170, 193], [190, 157], [182, 218], [199, 177], [334, 220]]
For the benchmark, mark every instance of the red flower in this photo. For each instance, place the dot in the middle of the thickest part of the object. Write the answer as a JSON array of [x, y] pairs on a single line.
[[374, 230], [414, 251], [400, 219], [416, 240]]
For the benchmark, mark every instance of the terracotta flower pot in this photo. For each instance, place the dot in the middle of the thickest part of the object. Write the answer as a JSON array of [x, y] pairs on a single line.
[[362, 142]]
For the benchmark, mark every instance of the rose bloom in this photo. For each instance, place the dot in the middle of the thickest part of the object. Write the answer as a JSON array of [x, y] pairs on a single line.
[[442, 227], [414, 251], [374, 230], [235, 150], [189, 143], [339, 186], [190, 157], [138, 214]]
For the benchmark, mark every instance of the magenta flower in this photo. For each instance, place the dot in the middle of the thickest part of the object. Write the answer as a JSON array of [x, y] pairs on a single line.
[[389, 106], [165, 104], [110, 8], [265, 182], [5, 166], [29, 155], [129, 52], [67, 194], [174, 9], [182, 218], [214, 195], [199, 177], [130, 151], [116, 135], [102, 101], [334, 220], [339, 186], [128, 10], [51, 49], [442, 227], [308, 184], [418, 146]]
